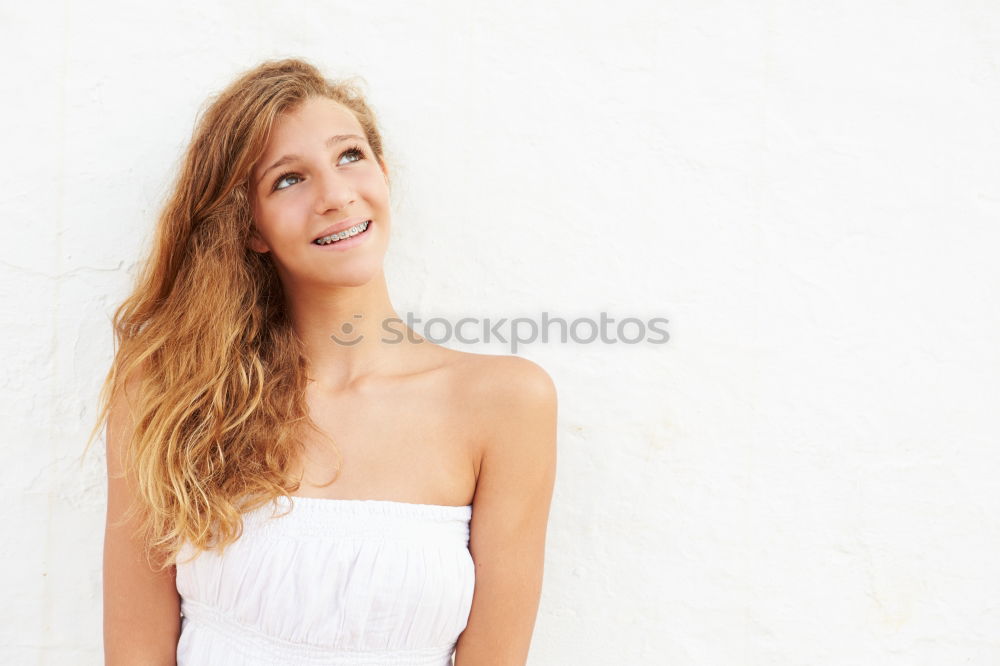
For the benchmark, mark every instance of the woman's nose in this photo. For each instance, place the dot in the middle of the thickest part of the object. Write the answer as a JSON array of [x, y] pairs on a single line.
[[334, 192]]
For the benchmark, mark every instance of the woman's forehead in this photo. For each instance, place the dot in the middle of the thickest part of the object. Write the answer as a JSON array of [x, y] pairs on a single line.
[[312, 116]]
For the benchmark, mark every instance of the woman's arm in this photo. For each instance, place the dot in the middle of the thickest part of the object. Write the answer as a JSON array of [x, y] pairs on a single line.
[[141, 606], [510, 514]]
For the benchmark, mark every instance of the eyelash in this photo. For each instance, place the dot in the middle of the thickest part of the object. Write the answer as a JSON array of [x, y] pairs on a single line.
[[353, 149]]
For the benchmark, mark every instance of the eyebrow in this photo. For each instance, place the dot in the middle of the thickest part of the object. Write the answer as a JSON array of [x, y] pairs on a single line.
[[336, 138]]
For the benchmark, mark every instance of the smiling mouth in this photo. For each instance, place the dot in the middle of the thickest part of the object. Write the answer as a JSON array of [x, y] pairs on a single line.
[[356, 230]]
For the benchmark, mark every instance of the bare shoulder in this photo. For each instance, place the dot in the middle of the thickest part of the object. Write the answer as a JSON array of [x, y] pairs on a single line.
[[515, 403], [520, 381], [504, 381], [510, 407], [502, 393]]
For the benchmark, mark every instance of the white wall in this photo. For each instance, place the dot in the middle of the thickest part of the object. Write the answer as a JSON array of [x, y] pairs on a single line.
[[806, 473]]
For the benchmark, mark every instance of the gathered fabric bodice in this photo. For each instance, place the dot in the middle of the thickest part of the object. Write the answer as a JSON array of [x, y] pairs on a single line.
[[372, 582]]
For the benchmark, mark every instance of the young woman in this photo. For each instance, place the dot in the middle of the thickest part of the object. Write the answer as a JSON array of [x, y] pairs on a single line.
[[294, 476]]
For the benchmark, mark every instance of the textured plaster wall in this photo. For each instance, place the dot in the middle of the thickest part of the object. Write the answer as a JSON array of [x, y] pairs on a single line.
[[806, 473]]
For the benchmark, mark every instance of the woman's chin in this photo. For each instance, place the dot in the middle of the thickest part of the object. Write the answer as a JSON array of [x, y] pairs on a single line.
[[352, 273]]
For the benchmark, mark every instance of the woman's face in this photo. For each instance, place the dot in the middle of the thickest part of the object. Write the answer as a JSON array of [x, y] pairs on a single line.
[[326, 175]]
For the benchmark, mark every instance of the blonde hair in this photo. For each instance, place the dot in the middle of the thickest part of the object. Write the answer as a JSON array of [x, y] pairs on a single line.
[[218, 371]]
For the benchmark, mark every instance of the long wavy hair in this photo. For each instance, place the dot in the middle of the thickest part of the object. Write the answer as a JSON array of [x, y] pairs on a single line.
[[219, 375]]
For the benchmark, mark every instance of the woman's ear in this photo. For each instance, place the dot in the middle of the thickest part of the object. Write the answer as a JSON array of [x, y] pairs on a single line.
[[256, 243]]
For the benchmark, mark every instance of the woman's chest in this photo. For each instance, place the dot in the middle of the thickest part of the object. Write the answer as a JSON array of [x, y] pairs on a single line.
[[411, 444]]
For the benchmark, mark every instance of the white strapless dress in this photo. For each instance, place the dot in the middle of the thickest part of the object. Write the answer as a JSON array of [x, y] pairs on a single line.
[[372, 582]]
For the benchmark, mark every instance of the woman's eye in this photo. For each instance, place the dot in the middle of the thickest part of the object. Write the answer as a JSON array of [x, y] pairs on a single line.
[[282, 178], [356, 152], [360, 154]]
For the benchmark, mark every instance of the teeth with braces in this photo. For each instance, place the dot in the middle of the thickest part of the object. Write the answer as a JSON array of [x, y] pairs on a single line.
[[346, 233]]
